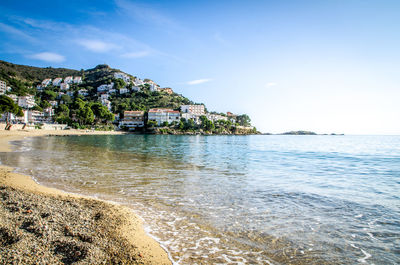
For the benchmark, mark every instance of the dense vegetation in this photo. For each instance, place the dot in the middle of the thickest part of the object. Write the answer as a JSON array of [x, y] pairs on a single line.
[[33, 74]]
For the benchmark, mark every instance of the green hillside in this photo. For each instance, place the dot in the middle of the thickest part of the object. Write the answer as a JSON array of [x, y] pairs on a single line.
[[81, 105], [24, 79]]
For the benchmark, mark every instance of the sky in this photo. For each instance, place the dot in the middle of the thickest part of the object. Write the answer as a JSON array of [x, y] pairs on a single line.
[[329, 66]]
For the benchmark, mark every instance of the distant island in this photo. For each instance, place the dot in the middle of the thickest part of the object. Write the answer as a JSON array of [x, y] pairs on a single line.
[[103, 98], [301, 133]]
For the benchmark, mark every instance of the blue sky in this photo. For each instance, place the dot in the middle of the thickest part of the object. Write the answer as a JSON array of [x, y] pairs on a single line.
[[326, 66]]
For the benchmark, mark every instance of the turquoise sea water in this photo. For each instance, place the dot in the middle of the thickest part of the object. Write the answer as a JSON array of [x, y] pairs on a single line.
[[239, 199]]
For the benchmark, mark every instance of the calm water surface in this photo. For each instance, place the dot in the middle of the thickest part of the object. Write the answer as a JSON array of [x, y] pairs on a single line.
[[239, 199]]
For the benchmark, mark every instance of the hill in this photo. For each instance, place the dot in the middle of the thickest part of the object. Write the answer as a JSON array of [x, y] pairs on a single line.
[[23, 79], [102, 92]]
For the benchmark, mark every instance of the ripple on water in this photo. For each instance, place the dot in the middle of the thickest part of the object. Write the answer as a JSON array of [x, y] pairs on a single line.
[[242, 200]]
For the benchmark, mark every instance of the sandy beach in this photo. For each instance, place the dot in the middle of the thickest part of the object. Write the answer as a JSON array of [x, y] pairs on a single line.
[[41, 225]]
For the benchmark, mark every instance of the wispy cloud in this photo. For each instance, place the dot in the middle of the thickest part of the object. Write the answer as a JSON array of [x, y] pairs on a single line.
[[221, 40], [16, 32], [147, 14], [136, 54], [98, 45], [270, 84], [199, 81], [48, 57]]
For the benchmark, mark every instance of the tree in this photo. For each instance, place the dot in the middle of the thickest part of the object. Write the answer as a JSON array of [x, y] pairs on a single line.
[[62, 114], [45, 104], [119, 83], [37, 107], [101, 112], [190, 125], [243, 120], [78, 104], [66, 99], [151, 124], [7, 105], [49, 95], [209, 125], [181, 125], [86, 115], [206, 124]]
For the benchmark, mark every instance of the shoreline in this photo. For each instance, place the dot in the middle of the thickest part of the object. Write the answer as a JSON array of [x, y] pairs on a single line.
[[42, 224]]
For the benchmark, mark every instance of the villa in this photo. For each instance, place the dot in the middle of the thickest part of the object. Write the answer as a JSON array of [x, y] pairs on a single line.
[[46, 82], [64, 86], [77, 80], [83, 92], [105, 87], [123, 90], [132, 119], [163, 115], [193, 109], [68, 80], [26, 101], [57, 81], [122, 76]]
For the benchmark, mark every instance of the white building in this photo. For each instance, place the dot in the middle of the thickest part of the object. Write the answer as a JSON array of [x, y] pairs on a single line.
[[138, 81], [36, 117], [53, 103], [104, 96], [26, 101], [48, 112], [163, 115], [3, 87], [77, 80], [123, 90], [122, 76], [107, 103], [132, 119], [216, 117], [136, 88], [70, 93], [68, 80], [46, 82], [105, 87], [193, 109], [57, 81], [13, 97], [64, 86], [83, 92], [153, 86], [194, 117]]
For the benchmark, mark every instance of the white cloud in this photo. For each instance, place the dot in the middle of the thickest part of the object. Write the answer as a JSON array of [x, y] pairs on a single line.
[[135, 54], [221, 40], [270, 84], [48, 57], [146, 14], [198, 81], [16, 32], [98, 45]]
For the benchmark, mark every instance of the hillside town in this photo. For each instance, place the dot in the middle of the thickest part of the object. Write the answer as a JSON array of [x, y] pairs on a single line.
[[131, 120]]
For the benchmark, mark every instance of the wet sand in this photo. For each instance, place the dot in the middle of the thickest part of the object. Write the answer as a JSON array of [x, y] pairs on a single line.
[[41, 225]]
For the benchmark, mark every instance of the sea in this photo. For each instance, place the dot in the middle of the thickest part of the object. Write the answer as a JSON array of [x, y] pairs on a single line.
[[261, 199]]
